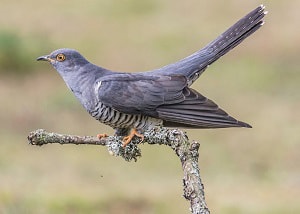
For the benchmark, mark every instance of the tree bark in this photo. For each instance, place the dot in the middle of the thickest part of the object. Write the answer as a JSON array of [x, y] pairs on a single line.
[[193, 189]]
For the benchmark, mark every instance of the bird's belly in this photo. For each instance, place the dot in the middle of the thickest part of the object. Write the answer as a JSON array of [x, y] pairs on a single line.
[[116, 119]]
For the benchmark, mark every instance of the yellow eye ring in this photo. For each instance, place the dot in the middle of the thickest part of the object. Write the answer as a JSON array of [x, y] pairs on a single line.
[[60, 57]]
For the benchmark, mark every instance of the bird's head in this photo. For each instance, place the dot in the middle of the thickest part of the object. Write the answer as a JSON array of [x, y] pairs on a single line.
[[65, 61]]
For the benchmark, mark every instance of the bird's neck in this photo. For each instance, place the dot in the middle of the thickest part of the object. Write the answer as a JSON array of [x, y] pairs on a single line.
[[82, 84]]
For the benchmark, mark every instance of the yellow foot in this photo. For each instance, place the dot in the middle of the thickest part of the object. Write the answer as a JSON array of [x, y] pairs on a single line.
[[128, 138], [101, 136]]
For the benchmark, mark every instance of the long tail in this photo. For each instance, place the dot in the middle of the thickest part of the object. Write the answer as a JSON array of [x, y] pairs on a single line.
[[194, 65]]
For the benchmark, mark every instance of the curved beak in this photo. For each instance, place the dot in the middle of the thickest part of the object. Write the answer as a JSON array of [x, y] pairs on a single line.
[[43, 58]]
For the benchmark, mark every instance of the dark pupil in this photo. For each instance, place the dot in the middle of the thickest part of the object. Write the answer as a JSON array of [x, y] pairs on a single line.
[[60, 57]]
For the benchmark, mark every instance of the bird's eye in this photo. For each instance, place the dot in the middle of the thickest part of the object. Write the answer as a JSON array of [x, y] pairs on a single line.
[[60, 57]]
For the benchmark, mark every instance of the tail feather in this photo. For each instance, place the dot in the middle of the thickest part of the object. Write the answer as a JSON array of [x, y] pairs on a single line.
[[194, 65]]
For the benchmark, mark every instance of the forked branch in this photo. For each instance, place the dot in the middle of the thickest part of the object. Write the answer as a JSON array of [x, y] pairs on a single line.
[[186, 151]]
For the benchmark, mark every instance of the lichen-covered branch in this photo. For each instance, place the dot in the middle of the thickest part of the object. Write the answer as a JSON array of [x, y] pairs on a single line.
[[186, 151]]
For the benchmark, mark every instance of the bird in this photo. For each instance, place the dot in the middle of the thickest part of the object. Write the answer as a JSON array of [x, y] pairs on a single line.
[[132, 102]]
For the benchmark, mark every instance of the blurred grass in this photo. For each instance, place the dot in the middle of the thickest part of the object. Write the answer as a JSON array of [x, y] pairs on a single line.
[[13, 57], [244, 170]]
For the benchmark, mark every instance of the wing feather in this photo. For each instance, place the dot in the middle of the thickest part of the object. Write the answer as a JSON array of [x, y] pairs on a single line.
[[197, 111], [141, 94]]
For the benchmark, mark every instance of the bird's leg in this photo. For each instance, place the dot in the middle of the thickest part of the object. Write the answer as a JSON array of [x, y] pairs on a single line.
[[122, 131], [132, 133], [102, 135]]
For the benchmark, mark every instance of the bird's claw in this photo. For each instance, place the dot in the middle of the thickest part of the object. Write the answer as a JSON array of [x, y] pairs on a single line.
[[128, 138], [102, 136]]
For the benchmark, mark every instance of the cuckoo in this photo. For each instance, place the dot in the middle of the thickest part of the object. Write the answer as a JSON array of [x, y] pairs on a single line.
[[133, 102]]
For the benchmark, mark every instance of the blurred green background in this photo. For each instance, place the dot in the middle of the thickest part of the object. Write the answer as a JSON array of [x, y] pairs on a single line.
[[243, 170]]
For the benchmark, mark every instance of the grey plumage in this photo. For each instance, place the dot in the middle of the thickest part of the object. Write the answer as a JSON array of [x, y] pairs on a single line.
[[158, 97], [194, 65]]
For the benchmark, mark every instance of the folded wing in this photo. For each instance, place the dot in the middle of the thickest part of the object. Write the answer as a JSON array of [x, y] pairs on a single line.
[[164, 97]]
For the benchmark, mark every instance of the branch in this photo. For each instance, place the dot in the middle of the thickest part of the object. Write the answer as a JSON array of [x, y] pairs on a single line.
[[186, 151]]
